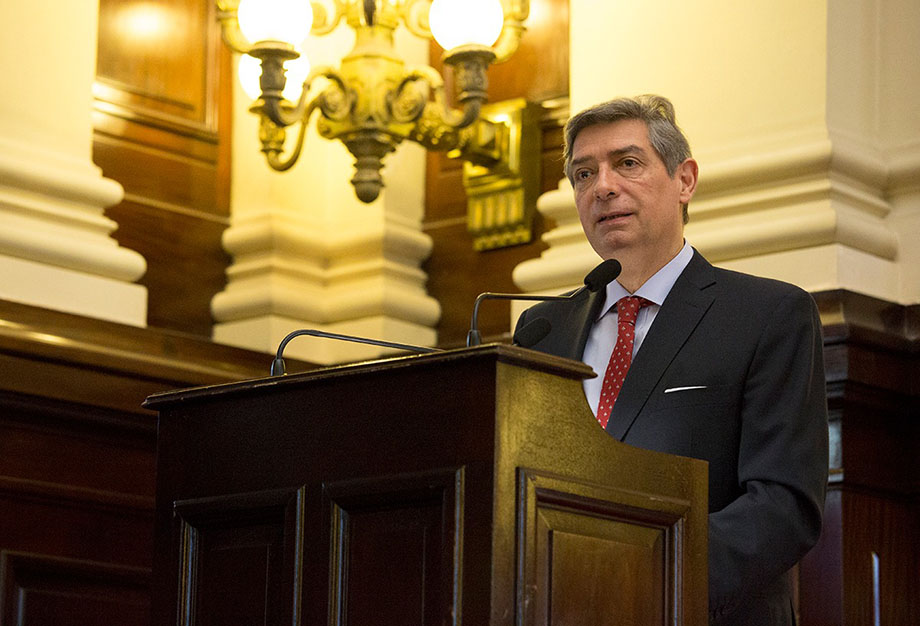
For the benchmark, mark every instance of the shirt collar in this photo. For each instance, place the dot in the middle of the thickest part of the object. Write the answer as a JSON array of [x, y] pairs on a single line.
[[656, 288]]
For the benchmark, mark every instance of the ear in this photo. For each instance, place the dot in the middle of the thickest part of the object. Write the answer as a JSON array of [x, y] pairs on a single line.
[[687, 173]]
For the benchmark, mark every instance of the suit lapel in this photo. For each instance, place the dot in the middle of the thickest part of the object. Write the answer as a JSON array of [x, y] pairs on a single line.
[[681, 312], [574, 326]]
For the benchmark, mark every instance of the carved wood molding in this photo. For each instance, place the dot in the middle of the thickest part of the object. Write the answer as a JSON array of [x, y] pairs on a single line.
[[36, 587], [260, 533], [418, 519], [565, 524]]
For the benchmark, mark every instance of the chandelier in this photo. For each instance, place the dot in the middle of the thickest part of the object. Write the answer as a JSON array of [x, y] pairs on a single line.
[[373, 101]]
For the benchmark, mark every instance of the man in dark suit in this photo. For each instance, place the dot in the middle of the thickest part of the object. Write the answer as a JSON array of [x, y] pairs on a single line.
[[718, 365]]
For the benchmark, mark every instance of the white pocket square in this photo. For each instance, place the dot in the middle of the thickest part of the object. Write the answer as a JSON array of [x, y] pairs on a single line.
[[673, 389]]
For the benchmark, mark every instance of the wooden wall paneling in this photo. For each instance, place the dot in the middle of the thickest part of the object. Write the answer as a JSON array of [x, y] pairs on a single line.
[[161, 122], [864, 568], [456, 273], [49, 443], [141, 45], [820, 574], [53, 355], [880, 490], [551, 170], [185, 262], [37, 590], [76, 513], [78, 459], [881, 559]]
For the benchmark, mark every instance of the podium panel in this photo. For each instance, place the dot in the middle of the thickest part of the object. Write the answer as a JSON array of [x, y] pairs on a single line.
[[464, 487], [628, 541]]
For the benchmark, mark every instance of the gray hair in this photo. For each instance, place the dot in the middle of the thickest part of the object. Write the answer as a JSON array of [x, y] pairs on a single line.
[[658, 114]]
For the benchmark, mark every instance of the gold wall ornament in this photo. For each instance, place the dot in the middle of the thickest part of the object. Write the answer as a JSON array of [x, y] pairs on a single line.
[[501, 174], [373, 101]]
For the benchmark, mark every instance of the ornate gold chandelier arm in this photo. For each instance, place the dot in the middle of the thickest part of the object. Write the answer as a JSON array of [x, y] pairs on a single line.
[[273, 137], [516, 12], [414, 15], [335, 100], [230, 27], [323, 23], [453, 118], [276, 114]]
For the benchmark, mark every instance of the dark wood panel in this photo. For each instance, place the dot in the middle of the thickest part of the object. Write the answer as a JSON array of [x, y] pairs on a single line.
[[240, 558], [881, 559], [864, 568], [49, 444], [76, 482], [624, 568], [36, 341], [41, 590], [98, 365], [185, 263], [77, 459], [551, 164], [457, 274], [820, 574], [396, 537], [175, 137], [177, 180], [445, 198], [78, 524]]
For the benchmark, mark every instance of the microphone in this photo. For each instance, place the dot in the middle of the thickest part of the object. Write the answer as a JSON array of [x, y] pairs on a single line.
[[532, 332], [597, 279], [601, 276], [278, 368]]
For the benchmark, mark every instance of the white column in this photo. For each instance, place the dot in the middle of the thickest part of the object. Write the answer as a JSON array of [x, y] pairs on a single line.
[[802, 117], [55, 245], [308, 254]]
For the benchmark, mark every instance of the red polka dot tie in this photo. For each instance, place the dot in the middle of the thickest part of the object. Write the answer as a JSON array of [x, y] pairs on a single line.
[[627, 310]]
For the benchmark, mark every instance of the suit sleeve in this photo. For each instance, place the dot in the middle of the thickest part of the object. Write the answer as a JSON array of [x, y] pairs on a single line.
[[782, 459]]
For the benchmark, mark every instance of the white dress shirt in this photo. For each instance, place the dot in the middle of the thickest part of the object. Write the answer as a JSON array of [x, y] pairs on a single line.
[[603, 335]]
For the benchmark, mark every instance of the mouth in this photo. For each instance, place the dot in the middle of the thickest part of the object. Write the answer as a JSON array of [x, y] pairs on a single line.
[[612, 217]]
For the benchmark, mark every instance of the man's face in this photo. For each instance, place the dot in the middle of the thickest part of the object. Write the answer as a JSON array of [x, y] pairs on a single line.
[[628, 205]]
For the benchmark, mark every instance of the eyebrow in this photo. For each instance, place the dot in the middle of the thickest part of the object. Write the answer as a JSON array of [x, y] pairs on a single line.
[[613, 154]]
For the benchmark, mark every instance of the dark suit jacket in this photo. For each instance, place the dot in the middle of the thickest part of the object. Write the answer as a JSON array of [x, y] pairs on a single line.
[[761, 420]]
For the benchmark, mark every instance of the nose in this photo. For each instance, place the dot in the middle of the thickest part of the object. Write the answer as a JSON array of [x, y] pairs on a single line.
[[608, 183]]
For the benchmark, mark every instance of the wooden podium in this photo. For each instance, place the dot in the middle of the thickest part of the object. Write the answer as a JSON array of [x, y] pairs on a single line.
[[463, 487]]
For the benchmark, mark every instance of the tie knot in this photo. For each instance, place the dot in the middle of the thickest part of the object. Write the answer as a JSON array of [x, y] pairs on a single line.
[[628, 308]]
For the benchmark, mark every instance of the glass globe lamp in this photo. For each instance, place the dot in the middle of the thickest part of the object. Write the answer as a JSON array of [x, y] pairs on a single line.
[[286, 21], [456, 23]]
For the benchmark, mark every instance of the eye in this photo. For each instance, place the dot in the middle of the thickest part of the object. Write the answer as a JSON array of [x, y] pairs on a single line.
[[630, 167], [582, 174]]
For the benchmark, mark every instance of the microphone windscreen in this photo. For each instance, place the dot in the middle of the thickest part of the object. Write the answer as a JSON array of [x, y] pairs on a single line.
[[600, 276], [532, 332]]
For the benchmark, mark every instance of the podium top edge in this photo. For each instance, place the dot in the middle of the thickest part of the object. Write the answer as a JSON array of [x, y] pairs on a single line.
[[500, 353]]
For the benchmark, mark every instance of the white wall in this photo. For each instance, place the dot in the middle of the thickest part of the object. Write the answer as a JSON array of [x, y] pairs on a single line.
[[802, 116]]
